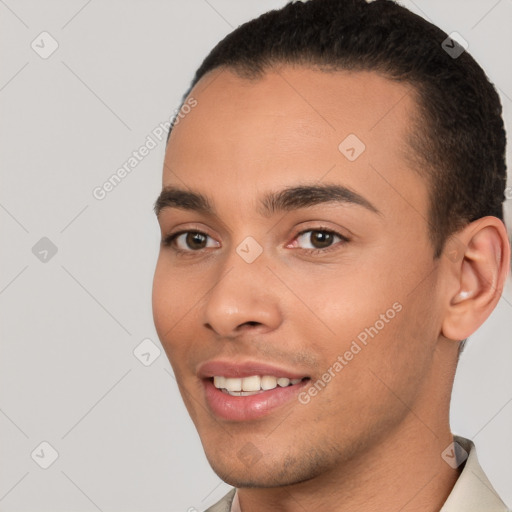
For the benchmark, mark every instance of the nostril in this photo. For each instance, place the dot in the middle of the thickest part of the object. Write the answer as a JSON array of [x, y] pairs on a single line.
[[248, 324]]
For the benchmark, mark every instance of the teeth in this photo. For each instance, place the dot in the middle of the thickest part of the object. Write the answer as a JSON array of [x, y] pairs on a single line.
[[219, 382], [233, 384], [240, 393], [268, 382], [251, 385]]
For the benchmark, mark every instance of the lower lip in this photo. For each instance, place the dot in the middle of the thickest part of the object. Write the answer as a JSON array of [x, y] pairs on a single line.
[[245, 408]]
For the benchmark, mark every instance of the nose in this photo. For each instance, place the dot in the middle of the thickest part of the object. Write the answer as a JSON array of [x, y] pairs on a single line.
[[244, 297]]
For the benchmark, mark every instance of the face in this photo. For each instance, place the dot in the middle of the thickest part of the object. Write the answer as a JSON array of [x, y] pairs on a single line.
[[297, 271]]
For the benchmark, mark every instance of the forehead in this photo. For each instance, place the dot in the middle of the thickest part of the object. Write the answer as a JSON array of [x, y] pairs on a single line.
[[297, 125]]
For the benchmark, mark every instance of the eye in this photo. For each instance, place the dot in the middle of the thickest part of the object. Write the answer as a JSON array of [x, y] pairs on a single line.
[[320, 240], [188, 241]]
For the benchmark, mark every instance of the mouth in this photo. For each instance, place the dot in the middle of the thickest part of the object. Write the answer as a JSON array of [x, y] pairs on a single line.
[[252, 385], [248, 391]]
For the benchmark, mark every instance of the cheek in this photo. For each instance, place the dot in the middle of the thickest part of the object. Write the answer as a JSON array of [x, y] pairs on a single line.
[[161, 300], [174, 293], [169, 304], [391, 364], [343, 301], [176, 304], [370, 319]]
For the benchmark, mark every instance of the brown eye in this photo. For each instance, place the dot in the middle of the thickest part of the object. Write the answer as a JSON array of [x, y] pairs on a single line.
[[188, 241], [319, 240], [195, 240]]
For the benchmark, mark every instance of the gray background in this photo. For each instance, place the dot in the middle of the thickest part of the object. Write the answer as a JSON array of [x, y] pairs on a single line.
[[70, 323]]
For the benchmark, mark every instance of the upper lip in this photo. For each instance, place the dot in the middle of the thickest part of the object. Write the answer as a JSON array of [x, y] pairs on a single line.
[[234, 369]]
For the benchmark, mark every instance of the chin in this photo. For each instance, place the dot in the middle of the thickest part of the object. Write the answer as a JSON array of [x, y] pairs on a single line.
[[273, 472]]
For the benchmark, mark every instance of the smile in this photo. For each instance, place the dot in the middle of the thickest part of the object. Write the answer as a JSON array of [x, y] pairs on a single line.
[[251, 398], [252, 385]]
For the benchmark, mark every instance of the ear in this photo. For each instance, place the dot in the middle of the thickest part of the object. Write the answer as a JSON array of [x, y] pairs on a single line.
[[478, 262]]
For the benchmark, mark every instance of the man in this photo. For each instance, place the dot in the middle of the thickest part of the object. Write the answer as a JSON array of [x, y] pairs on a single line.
[[332, 231]]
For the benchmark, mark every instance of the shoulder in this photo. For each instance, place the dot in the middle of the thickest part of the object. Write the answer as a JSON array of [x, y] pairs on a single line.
[[223, 505], [472, 492]]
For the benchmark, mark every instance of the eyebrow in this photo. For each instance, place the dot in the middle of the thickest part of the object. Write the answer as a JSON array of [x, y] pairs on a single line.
[[285, 200]]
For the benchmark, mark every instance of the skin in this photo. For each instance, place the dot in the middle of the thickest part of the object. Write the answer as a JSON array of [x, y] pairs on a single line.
[[372, 438]]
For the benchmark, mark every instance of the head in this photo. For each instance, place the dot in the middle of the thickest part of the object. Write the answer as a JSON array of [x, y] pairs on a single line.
[[331, 207]]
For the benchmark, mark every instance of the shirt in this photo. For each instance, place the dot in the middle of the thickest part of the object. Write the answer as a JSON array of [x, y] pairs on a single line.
[[472, 491]]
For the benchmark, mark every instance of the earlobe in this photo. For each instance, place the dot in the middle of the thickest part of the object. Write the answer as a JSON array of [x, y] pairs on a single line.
[[478, 277]]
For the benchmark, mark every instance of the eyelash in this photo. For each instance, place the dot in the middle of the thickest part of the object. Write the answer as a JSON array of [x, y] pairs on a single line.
[[169, 240]]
